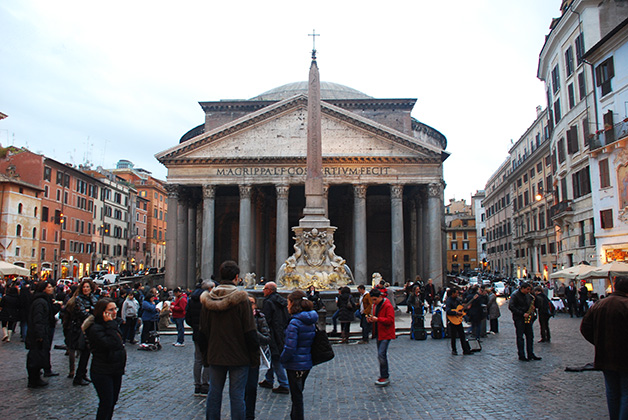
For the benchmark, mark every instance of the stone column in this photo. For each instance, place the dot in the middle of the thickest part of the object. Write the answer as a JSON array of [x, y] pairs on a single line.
[[283, 232], [359, 233], [208, 232], [244, 242], [396, 211], [182, 241], [191, 269], [170, 275], [414, 236], [434, 230]]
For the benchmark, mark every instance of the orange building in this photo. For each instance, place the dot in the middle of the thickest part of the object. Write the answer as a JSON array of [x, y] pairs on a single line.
[[153, 190]]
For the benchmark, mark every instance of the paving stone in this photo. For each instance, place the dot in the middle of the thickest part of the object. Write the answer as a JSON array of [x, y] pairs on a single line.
[[427, 382]]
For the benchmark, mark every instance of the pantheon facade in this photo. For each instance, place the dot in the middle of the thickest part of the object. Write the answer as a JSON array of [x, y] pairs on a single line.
[[236, 186]]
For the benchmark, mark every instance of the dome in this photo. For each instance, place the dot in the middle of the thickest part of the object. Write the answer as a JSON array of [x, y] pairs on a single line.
[[328, 91]]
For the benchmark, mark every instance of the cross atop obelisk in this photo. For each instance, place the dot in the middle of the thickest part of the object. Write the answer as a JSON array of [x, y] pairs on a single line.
[[314, 35], [314, 212]]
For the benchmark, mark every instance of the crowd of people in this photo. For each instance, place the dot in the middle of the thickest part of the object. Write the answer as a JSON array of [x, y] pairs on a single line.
[[233, 337]]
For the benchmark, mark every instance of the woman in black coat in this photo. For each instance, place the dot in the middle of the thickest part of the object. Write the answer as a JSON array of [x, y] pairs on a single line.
[[108, 355], [346, 310], [9, 312]]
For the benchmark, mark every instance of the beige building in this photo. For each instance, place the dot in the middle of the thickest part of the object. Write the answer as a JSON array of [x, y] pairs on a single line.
[[236, 185], [20, 214], [531, 182]]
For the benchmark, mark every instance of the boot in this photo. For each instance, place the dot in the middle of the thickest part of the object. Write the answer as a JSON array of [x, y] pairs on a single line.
[[34, 379], [5, 335]]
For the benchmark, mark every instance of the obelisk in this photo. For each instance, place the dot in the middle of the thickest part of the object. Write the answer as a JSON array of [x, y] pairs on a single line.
[[314, 262]]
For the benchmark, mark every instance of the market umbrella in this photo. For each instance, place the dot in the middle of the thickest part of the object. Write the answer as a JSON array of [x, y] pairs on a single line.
[[572, 273], [608, 270], [8, 269]]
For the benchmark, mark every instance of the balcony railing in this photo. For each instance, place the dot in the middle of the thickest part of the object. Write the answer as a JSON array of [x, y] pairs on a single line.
[[606, 137], [561, 209]]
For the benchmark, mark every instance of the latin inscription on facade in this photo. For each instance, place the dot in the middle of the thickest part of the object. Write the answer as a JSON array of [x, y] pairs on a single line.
[[298, 170]]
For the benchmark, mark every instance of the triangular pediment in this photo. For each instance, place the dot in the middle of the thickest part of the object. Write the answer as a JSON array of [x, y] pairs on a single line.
[[279, 131]]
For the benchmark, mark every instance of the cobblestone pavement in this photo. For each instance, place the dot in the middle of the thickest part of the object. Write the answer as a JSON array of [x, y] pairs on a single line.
[[427, 382]]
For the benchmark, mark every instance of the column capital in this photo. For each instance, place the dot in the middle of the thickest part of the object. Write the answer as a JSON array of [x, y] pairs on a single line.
[[283, 191], [209, 191], [396, 191], [245, 190], [172, 190], [359, 190], [434, 190]]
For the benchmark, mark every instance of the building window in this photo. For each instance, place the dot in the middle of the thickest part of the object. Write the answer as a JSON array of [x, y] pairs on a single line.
[[557, 114], [582, 87], [555, 80], [603, 75], [606, 216], [17, 251], [454, 246], [579, 48], [605, 179], [569, 67], [43, 254], [18, 230], [454, 258], [47, 173], [34, 233], [465, 245], [572, 139], [561, 150], [571, 95], [581, 182]]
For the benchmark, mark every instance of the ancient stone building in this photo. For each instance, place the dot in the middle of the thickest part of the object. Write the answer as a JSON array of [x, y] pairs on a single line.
[[236, 185]]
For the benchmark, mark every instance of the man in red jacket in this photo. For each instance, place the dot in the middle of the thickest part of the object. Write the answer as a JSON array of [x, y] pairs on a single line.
[[178, 314], [383, 320]]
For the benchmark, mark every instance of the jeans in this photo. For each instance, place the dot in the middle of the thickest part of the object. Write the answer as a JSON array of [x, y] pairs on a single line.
[[334, 321], [250, 394], [237, 384], [128, 329], [201, 373], [458, 331], [108, 389], [366, 327], [180, 329], [296, 379], [382, 357], [277, 368], [616, 394], [522, 329]]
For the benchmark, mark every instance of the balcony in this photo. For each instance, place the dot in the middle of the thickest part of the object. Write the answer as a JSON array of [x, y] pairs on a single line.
[[561, 209], [606, 137]]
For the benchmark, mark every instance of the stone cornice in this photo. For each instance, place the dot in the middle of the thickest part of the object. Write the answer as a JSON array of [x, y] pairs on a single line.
[[300, 160]]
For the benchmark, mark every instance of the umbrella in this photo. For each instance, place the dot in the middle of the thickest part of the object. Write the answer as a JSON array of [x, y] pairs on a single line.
[[572, 273], [8, 269], [608, 270]]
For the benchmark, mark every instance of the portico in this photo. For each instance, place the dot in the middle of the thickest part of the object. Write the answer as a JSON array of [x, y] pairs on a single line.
[[237, 184]]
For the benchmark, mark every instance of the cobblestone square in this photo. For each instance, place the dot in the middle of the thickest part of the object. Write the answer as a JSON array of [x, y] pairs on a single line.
[[427, 382]]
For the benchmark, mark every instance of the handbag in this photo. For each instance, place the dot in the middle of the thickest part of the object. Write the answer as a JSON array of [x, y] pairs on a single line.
[[321, 348]]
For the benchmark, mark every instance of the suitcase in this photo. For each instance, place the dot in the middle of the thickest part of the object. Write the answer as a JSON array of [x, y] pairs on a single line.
[[418, 328]]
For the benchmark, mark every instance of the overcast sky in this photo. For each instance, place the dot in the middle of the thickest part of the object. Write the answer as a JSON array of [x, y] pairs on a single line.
[[103, 81]]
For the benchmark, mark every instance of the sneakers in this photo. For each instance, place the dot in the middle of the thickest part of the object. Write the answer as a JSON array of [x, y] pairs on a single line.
[[201, 390], [281, 390], [179, 344], [266, 384], [382, 382], [363, 342]]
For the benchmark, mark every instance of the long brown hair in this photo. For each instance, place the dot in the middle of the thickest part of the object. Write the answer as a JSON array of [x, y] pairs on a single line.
[[100, 307], [300, 302]]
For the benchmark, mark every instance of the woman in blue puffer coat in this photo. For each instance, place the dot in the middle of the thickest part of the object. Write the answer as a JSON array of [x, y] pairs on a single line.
[[297, 352]]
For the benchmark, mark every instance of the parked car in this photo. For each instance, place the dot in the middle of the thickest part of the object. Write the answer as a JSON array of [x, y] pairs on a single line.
[[106, 279], [500, 288], [67, 282]]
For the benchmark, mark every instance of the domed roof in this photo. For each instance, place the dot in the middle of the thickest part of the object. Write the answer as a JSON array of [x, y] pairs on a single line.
[[329, 90]]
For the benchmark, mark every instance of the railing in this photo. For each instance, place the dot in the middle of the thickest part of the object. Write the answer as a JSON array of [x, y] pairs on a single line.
[[606, 137], [560, 208]]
